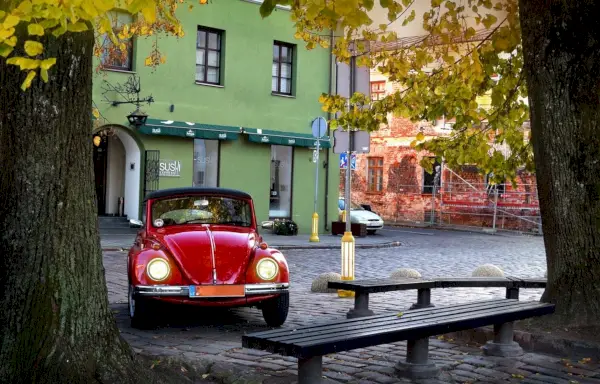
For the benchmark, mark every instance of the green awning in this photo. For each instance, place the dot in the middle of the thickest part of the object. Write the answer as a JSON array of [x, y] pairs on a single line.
[[266, 136], [191, 130]]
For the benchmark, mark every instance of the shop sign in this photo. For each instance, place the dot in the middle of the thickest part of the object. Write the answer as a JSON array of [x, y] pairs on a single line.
[[169, 168]]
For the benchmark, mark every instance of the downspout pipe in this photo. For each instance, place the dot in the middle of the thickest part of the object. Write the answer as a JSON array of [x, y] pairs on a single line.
[[326, 217]]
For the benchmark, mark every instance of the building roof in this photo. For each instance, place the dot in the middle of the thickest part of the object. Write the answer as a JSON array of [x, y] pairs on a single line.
[[197, 191]]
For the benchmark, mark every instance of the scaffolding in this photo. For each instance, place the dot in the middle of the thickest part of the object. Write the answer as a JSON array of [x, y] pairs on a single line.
[[453, 201]]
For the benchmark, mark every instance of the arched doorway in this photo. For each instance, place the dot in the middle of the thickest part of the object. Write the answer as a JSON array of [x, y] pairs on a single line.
[[117, 165]]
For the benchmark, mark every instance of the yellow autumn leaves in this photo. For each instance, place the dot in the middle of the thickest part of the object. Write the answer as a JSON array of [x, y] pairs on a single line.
[[50, 17]]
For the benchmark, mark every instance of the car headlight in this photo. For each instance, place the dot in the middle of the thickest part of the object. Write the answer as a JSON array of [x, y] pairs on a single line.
[[267, 269], [158, 269]]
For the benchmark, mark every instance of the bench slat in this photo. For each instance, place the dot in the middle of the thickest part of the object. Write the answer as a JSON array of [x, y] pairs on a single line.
[[361, 320], [392, 325], [428, 314], [390, 329], [388, 285], [382, 285]]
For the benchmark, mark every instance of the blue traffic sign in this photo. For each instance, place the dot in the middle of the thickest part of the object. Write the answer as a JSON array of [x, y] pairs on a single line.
[[344, 161], [319, 127]]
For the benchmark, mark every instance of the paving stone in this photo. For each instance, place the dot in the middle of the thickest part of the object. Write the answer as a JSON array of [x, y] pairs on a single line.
[[216, 334], [386, 370], [478, 361], [343, 368], [339, 376], [377, 377], [492, 373]]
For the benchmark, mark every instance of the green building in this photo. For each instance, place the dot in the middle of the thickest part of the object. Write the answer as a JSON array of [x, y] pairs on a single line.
[[232, 107]]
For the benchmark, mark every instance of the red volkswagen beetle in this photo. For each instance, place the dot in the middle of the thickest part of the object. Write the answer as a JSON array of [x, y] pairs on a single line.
[[201, 246]]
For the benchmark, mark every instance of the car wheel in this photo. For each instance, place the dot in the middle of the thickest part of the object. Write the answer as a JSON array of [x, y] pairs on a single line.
[[140, 312], [275, 310], [371, 231]]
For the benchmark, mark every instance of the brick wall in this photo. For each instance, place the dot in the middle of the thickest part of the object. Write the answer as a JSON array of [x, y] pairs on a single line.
[[405, 198]]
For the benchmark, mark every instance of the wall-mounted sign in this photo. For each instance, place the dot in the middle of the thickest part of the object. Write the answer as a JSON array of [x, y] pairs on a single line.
[[169, 168]]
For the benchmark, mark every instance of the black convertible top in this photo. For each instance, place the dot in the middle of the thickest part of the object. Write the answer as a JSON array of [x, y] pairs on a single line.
[[197, 190]]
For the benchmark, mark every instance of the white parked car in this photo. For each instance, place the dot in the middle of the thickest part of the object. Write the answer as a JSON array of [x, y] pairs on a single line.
[[359, 215]]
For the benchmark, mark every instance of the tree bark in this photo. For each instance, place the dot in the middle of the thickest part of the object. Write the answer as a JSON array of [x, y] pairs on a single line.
[[55, 322], [561, 45]]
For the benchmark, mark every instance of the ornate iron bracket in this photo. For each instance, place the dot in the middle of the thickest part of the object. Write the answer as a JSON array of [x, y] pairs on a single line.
[[129, 91]]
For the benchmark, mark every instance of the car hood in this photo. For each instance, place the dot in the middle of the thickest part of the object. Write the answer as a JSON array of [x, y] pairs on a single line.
[[363, 215], [194, 250]]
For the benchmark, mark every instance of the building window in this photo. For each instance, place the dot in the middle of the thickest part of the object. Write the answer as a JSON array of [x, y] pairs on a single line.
[[377, 90], [375, 174], [208, 55], [206, 163], [431, 179], [280, 199], [283, 60], [113, 57]]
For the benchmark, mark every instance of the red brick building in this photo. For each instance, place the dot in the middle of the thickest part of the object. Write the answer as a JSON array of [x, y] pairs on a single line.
[[390, 179]]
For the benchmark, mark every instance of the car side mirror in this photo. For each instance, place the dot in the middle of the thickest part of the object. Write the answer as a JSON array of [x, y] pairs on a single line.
[[267, 224], [133, 223]]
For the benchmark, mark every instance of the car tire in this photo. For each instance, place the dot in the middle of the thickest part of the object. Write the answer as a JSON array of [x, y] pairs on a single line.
[[140, 311], [275, 311], [371, 231]]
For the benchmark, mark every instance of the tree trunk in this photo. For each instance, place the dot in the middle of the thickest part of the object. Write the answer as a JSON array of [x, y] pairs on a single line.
[[55, 322], [561, 44]]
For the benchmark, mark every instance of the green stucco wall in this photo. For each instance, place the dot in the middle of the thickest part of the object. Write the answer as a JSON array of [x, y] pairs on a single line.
[[245, 100]]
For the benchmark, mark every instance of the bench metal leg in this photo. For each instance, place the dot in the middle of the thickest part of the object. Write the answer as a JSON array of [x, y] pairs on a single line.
[[361, 306], [423, 299], [310, 370], [512, 293], [417, 364], [503, 344]]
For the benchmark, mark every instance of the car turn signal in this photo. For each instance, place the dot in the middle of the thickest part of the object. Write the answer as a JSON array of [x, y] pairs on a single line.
[[263, 245]]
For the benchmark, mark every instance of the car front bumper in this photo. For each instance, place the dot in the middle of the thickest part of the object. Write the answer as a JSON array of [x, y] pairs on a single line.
[[373, 224], [184, 290]]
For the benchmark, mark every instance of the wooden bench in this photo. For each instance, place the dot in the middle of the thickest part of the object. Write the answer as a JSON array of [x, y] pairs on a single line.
[[363, 288], [309, 344]]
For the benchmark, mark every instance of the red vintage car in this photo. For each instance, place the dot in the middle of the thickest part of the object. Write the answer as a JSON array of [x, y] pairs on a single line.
[[201, 246]]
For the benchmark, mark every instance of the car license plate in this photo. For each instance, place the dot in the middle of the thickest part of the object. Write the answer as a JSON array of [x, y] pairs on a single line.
[[217, 290]]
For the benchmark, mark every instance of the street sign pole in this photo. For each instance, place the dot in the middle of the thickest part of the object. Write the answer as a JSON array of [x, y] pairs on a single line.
[[319, 126], [317, 176], [314, 236]]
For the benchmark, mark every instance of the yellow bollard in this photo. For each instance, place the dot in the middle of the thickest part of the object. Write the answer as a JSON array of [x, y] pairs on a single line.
[[314, 236], [343, 216], [347, 262]]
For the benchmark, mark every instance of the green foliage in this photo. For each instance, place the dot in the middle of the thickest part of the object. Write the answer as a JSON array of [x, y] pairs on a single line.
[[470, 53], [285, 227]]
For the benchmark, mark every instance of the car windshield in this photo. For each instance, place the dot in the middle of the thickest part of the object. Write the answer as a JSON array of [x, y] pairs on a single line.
[[353, 206], [201, 210]]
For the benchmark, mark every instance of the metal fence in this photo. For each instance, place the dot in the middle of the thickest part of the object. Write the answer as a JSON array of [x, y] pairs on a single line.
[[464, 204]]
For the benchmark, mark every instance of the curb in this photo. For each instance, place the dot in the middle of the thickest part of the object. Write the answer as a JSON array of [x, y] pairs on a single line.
[[390, 244], [535, 342]]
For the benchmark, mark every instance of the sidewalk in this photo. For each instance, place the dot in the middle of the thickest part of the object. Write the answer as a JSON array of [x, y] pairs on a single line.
[[123, 241]]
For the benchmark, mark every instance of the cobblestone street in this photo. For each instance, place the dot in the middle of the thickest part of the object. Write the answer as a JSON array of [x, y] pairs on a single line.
[[216, 334]]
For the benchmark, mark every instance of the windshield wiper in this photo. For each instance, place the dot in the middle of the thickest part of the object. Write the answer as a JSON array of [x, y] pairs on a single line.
[[243, 223]]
